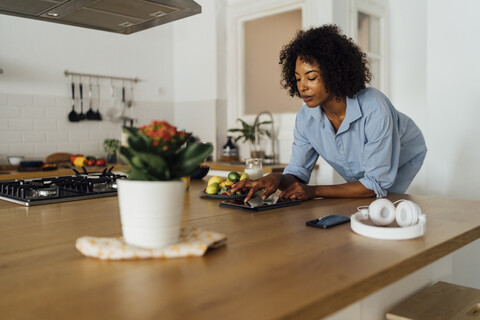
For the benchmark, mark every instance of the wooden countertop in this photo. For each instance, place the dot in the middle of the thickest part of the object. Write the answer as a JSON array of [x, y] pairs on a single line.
[[240, 166], [272, 267], [14, 174]]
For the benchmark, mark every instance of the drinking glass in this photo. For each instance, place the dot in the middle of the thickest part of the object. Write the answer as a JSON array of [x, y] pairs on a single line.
[[253, 167]]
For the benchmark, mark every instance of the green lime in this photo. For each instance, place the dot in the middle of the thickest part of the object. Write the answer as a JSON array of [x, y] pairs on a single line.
[[233, 176], [212, 188]]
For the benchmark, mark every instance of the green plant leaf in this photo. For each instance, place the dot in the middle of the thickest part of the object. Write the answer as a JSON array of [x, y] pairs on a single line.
[[138, 175], [189, 158], [247, 132], [161, 159], [126, 155]]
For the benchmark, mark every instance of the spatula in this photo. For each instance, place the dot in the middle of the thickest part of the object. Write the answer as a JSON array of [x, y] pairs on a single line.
[[91, 115], [73, 115], [81, 116]]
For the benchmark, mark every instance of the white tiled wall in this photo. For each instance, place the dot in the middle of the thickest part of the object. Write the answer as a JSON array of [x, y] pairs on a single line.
[[35, 126]]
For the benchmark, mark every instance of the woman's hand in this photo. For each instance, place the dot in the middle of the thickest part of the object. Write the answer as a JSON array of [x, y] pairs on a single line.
[[268, 183], [298, 191]]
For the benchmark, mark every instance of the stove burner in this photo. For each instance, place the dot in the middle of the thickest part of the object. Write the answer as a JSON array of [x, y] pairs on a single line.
[[81, 186]]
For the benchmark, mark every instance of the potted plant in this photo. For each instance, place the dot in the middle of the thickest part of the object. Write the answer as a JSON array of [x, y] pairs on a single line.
[[151, 198], [252, 133], [111, 146]]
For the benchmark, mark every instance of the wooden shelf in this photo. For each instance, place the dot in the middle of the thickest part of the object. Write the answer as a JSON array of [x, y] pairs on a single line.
[[442, 301]]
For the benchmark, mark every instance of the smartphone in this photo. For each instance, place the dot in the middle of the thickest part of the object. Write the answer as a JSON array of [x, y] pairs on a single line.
[[257, 204], [328, 221]]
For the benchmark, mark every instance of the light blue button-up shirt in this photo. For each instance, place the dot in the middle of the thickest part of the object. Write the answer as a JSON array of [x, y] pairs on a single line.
[[375, 144]]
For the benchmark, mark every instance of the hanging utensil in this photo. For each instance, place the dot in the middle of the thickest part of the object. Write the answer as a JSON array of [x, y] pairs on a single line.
[[73, 115], [90, 113], [81, 116], [98, 116], [113, 114], [130, 101], [124, 105]]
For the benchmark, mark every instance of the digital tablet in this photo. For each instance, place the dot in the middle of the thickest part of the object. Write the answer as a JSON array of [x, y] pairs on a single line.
[[258, 204]]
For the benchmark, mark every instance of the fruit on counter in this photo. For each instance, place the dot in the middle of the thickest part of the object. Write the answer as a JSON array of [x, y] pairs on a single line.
[[213, 188], [49, 166], [100, 162], [226, 183], [187, 182], [227, 191], [73, 156], [91, 162], [79, 161], [223, 186], [215, 179], [234, 176]]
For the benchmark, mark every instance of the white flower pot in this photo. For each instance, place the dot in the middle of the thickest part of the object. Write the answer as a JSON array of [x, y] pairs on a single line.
[[151, 212]]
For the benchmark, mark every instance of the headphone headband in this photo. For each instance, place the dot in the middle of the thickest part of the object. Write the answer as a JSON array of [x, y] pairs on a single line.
[[387, 233]]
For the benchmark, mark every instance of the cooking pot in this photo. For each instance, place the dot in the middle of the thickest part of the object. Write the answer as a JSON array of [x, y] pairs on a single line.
[[30, 165]]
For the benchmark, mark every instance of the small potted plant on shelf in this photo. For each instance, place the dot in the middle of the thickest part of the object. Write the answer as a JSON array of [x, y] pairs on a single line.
[[111, 146], [252, 133], [151, 198]]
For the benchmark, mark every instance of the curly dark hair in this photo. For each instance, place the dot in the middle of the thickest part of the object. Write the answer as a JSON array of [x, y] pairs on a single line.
[[342, 64]]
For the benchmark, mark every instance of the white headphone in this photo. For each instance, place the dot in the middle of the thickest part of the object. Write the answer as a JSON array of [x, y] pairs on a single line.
[[382, 212]]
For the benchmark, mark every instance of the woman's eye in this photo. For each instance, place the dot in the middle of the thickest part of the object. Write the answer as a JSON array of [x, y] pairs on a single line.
[[312, 79], [297, 80]]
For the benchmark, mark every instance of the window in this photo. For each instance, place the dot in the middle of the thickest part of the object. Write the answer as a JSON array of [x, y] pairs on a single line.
[[368, 21], [264, 38]]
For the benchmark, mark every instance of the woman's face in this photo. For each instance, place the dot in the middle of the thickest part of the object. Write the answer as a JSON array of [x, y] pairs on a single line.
[[310, 84]]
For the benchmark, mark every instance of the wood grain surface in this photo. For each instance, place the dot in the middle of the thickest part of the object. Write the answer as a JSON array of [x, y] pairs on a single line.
[[442, 301], [14, 174], [273, 266], [240, 166]]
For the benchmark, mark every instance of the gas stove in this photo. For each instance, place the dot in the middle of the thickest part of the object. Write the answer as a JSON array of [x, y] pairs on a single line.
[[79, 186]]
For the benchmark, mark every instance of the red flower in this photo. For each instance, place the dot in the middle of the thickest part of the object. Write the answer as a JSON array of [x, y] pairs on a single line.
[[162, 131]]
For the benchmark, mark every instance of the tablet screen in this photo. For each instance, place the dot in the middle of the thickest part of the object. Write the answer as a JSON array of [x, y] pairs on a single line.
[[257, 203]]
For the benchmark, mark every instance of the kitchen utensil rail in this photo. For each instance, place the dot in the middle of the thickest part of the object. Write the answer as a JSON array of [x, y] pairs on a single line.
[[99, 76]]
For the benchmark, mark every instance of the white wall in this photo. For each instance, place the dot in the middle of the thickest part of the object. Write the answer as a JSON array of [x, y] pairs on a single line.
[[435, 76], [34, 55], [198, 78], [434, 79], [453, 95], [408, 68], [35, 94]]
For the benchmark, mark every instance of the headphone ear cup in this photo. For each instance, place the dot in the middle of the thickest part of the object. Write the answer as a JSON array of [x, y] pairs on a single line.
[[381, 212], [407, 213]]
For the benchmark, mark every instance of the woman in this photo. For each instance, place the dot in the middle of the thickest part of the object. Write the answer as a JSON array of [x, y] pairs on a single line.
[[374, 147]]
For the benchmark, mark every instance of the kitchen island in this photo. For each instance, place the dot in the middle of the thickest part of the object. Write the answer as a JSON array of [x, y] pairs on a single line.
[[272, 267]]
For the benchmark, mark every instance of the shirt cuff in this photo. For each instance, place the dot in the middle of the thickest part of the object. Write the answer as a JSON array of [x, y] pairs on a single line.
[[372, 184], [299, 172]]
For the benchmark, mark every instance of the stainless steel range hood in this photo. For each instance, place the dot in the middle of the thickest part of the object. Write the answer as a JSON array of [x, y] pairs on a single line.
[[120, 16]]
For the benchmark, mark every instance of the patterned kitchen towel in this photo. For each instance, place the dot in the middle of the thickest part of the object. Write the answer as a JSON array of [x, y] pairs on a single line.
[[194, 242]]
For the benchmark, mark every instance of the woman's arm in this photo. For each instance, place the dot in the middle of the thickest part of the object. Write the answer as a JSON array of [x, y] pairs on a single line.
[[294, 188], [270, 183], [301, 191]]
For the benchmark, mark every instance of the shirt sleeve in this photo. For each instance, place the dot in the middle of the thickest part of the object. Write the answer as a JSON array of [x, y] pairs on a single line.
[[381, 152], [304, 156]]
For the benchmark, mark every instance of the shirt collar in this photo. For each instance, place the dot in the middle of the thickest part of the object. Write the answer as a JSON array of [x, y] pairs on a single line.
[[353, 113], [316, 113]]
